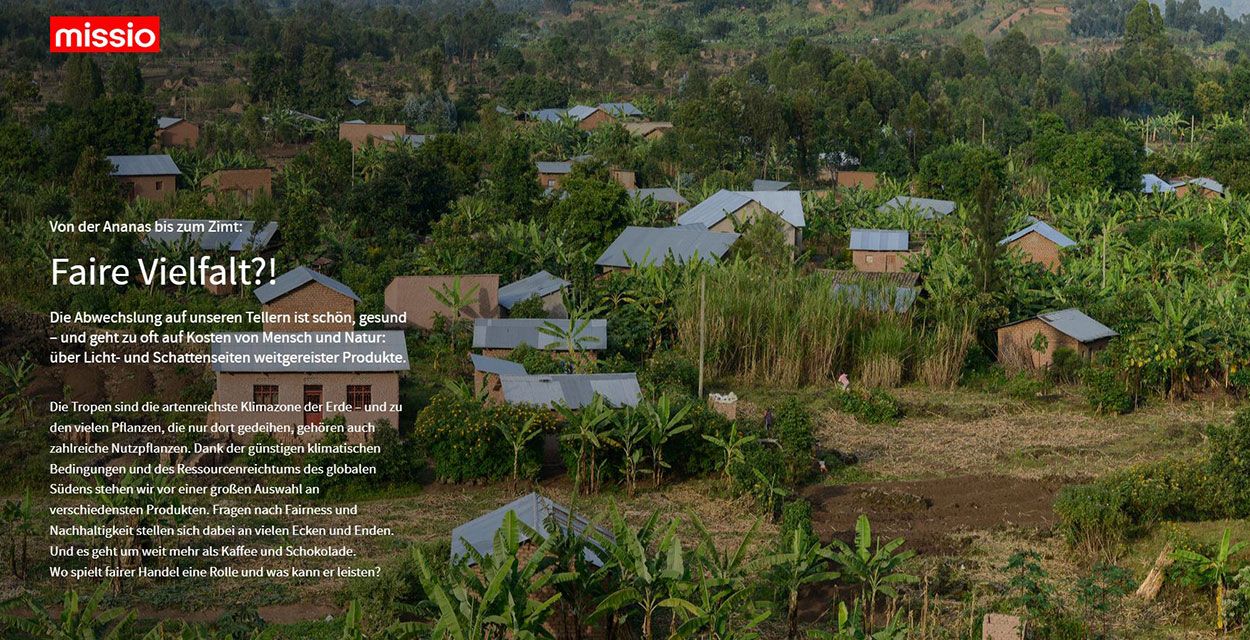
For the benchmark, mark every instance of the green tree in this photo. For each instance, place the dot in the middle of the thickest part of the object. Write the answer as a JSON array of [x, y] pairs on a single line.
[[93, 192], [956, 171], [83, 82], [594, 210]]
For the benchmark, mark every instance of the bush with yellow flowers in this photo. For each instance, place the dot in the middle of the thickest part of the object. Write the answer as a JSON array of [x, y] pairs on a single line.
[[462, 437]]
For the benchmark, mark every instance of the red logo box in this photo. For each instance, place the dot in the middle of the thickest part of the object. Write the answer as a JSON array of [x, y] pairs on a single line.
[[104, 34]]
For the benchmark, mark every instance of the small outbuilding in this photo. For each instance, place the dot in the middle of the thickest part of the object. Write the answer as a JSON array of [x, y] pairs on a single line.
[[541, 285], [725, 211], [1039, 243], [147, 177], [176, 132], [329, 304], [1031, 343], [360, 134], [245, 185], [881, 250], [1204, 187]]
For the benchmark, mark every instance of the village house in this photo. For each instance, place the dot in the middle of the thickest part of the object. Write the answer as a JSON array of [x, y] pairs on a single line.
[[926, 208], [149, 177], [498, 337], [418, 298], [726, 211], [360, 134], [245, 185], [288, 383], [648, 130], [302, 289], [176, 132], [540, 517], [1153, 184], [866, 180], [572, 390], [1031, 343], [588, 118], [1205, 187], [646, 246], [551, 175], [542, 285], [881, 250], [1039, 243]]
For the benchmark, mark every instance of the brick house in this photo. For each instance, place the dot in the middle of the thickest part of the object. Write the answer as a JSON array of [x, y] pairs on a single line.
[[1039, 243], [354, 374], [149, 177], [1020, 347], [301, 290], [498, 337], [866, 180], [724, 211], [1205, 187], [881, 250], [648, 130], [487, 371], [586, 117], [360, 134], [542, 285], [540, 517], [244, 184], [176, 132], [416, 296]]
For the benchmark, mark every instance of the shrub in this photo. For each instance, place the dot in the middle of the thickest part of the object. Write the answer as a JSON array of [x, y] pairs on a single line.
[[1230, 462], [669, 371], [876, 406], [1239, 381], [761, 455], [1066, 366], [793, 426], [536, 361], [1106, 392], [462, 438], [1092, 518], [691, 454], [531, 307], [796, 515]]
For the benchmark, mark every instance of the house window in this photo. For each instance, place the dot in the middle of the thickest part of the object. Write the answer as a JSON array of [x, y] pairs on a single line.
[[868, 259], [265, 394], [359, 396], [158, 185]]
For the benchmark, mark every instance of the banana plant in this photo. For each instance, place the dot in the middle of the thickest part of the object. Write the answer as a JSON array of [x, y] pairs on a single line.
[[876, 569]]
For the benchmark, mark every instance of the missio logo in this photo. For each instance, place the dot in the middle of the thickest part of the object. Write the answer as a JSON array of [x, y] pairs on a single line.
[[104, 34]]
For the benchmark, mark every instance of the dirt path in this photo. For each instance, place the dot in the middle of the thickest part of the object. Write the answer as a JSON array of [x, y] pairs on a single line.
[[929, 513]]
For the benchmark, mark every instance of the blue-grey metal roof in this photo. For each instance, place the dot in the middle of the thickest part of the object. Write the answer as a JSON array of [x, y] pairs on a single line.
[[215, 235], [1207, 183], [296, 278], [879, 240], [769, 185], [651, 245], [876, 297], [497, 366], [1041, 229], [786, 204], [621, 109], [540, 284], [666, 195], [356, 102], [1073, 323], [581, 112], [537, 514], [153, 165], [926, 208], [165, 122], [1151, 183], [325, 351], [510, 333], [573, 390], [544, 166], [414, 139], [548, 115]]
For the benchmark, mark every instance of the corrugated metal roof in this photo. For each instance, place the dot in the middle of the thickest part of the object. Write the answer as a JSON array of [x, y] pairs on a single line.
[[574, 390], [414, 139], [510, 333], [537, 514], [1079, 326], [554, 167], [153, 165], [548, 115], [215, 235], [1044, 230], [877, 298], [718, 206], [257, 352], [165, 122], [1207, 183], [539, 284], [296, 278], [879, 240], [356, 102], [667, 195], [1151, 183], [769, 185], [650, 245], [926, 208], [581, 112], [497, 366], [621, 109]]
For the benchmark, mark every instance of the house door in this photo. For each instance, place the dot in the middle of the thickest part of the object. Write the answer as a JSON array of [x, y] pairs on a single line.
[[312, 404]]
